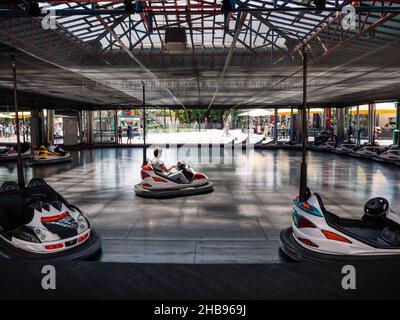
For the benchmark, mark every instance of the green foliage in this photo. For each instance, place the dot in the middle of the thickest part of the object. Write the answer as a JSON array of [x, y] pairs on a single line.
[[181, 115], [194, 114], [201, 114]]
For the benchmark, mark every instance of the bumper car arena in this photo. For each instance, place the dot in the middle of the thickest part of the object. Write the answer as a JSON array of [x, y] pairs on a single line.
[[225, 150]]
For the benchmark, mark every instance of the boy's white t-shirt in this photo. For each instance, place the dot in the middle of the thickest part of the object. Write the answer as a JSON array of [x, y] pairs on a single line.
[[157, 163]]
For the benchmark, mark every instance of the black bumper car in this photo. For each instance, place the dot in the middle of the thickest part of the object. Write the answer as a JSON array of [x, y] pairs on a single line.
[[38, 223]]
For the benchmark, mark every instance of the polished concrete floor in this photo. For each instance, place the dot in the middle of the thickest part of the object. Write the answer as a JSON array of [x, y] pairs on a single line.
[[238, 223]]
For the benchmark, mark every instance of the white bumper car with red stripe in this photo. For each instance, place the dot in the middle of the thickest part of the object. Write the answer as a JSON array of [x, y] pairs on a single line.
[[367, 151], [344, 148], [183, 182], [392, 155], [326, 146], [38, 223], [318, 235]]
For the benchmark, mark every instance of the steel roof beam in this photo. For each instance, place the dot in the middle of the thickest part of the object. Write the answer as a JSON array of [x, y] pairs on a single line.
[[136, 60], [240, 24], [346, 38], [194, 58], [199, 10]]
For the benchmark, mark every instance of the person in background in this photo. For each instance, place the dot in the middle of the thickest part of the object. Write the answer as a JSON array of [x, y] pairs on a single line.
[[119, 135], [140, 132], [266, 130], [283, 129], [129, 133], [350, 132]]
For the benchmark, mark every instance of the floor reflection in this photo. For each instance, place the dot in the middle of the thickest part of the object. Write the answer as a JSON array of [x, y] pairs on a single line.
[[239, 222]]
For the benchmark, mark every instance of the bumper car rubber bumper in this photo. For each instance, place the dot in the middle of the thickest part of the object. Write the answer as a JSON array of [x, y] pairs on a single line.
[[360, 155], [317, 148], [85, 251], [344, 152], [14, 158], [172, 193], [383, 160], [297, 252], [52, 161]]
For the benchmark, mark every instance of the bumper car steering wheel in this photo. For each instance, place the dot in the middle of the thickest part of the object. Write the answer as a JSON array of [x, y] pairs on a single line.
[[376, 207], [375, 211], [181, 165]]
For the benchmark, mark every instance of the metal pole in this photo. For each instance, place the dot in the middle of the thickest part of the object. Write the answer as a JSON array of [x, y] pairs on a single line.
[[340, 124], [398, 115], [116, 126], [291, 125], [276, 124], [144, 125], [303, 169], [350, 122], [20, 169], [24, 126], [100, 127], [165, 120], [90, 138], [396, 137], [373, 122], [358, 125], [308, 122], [248, 127]]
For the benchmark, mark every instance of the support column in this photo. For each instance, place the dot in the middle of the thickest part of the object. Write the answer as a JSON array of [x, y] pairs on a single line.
[[116, 126], [276, 125], [292, 126], [350, 128], [89, 124], [309, 122], [70, 130], [358, 125], [37, 128], [398, 115], [302, 128], [340, 124], [328, 114], [80, 129], [371, 122], [165, 120], [24, 138], [396, 134], [50, 126]]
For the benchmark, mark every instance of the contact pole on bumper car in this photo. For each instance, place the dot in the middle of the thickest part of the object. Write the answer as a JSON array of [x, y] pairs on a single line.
[[303, 170], [144, 124], [20, 170]]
